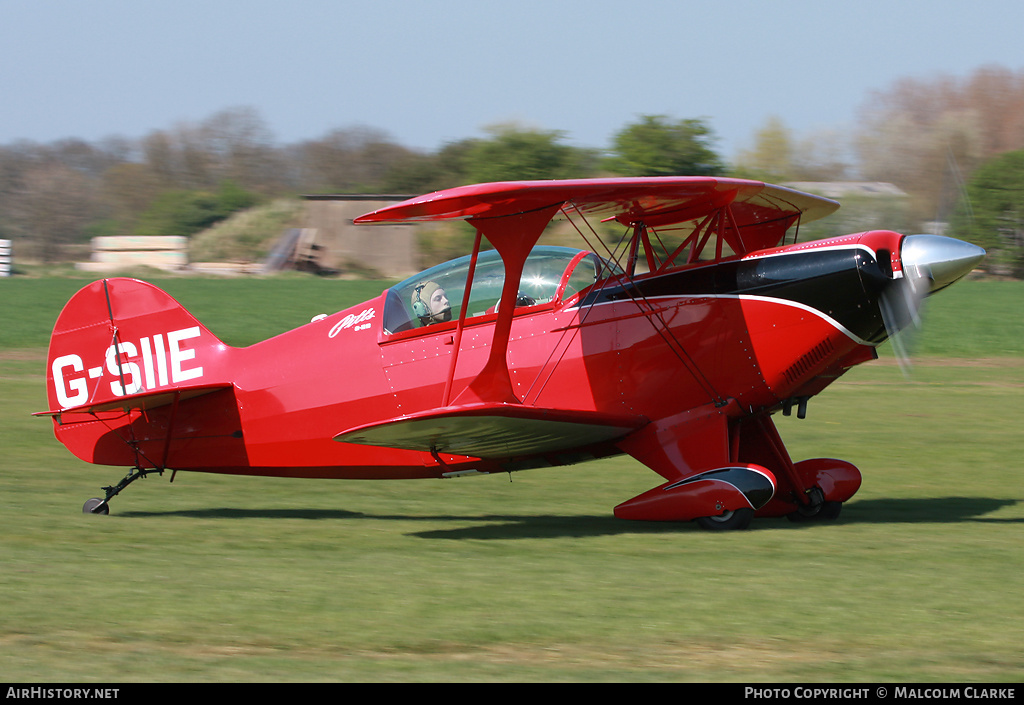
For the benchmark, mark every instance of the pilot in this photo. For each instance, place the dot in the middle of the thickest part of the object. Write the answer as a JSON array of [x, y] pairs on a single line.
[[430, 303]]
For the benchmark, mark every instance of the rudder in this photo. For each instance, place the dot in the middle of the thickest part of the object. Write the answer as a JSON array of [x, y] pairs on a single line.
[[120, 338]]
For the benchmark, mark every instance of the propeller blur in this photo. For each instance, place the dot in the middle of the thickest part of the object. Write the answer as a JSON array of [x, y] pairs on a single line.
[[930, 264]]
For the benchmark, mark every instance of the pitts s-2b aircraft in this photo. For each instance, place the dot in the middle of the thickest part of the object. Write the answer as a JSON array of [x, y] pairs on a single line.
[[675, 347]]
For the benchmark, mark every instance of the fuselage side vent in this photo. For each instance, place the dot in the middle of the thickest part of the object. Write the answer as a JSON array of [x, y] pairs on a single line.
[[807, 362]]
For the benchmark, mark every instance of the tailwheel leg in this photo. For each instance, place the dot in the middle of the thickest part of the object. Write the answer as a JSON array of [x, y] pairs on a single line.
[[102, 506]]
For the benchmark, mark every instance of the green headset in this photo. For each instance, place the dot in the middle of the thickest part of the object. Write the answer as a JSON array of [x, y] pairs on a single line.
[[419, 307]]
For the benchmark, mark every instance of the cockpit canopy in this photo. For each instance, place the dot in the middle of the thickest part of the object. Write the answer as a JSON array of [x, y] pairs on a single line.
[[551, 275]]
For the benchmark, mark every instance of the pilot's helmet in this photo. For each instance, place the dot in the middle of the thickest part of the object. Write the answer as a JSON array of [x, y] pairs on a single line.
[[420, 300]]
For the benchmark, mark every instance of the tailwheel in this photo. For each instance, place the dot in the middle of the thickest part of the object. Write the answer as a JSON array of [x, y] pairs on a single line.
[[733, 520], [102, 506], [96, 506]]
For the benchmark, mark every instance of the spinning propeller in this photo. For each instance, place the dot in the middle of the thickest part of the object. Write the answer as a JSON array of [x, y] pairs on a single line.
[[930, 263]]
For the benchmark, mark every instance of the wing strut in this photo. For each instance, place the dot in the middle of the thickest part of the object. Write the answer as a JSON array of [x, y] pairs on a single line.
[[460, 326], [513, 236]]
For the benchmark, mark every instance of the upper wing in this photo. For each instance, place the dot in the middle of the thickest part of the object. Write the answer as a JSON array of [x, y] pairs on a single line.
[[760, 212]]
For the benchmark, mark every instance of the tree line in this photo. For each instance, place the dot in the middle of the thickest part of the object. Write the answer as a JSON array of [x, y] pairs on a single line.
[[181, 180], [936, 139]]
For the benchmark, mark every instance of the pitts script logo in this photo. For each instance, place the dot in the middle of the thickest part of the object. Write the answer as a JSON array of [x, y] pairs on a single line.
[[164, 359], [355, 321]]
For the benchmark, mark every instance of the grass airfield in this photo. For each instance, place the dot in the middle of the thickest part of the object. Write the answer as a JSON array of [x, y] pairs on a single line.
[[526, 577]]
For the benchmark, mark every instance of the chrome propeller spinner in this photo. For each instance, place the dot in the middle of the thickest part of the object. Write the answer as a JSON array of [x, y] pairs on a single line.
[[930, 263]]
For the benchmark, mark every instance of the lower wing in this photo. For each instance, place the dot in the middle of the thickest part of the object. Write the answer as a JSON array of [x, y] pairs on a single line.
[[494, 430]]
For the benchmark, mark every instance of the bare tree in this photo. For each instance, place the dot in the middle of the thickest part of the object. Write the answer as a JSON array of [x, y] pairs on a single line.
[[231, 145], [824, 155], [347, 160], [53, 207], [926, 135], [126, 190], [241, 148]]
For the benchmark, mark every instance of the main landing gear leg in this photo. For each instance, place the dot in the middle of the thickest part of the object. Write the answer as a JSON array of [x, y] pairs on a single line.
[[102, 506]]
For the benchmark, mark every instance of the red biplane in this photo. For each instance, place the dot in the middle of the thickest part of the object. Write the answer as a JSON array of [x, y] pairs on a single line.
[[676, 346]]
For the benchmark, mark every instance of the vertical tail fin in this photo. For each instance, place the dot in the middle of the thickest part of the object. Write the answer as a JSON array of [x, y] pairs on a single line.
[[120, 339]]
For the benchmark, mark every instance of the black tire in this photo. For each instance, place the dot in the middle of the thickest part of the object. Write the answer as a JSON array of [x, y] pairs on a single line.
[[735, 520], [830, 511], [95, 506], [827, 511]]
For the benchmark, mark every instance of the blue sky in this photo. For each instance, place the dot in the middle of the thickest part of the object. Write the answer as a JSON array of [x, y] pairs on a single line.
[[433, 72]]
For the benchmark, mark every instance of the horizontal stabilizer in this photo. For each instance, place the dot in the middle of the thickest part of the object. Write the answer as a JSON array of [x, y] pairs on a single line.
[[142, 402], [493, 431]]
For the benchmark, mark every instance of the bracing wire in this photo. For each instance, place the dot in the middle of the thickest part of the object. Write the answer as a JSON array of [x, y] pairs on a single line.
[[663, 330]]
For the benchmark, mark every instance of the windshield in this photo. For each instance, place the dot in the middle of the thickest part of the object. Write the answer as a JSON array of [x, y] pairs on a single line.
[[435, 295]]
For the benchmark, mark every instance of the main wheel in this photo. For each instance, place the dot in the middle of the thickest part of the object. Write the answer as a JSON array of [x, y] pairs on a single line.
[[95, 506], [826, 511], [735, 520], [830, 510]]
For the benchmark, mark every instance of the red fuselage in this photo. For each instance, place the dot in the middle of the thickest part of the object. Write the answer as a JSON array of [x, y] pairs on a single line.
[[746, 334]]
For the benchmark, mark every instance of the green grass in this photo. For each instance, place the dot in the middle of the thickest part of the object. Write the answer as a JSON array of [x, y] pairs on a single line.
[[528, 578], [980, 318]]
